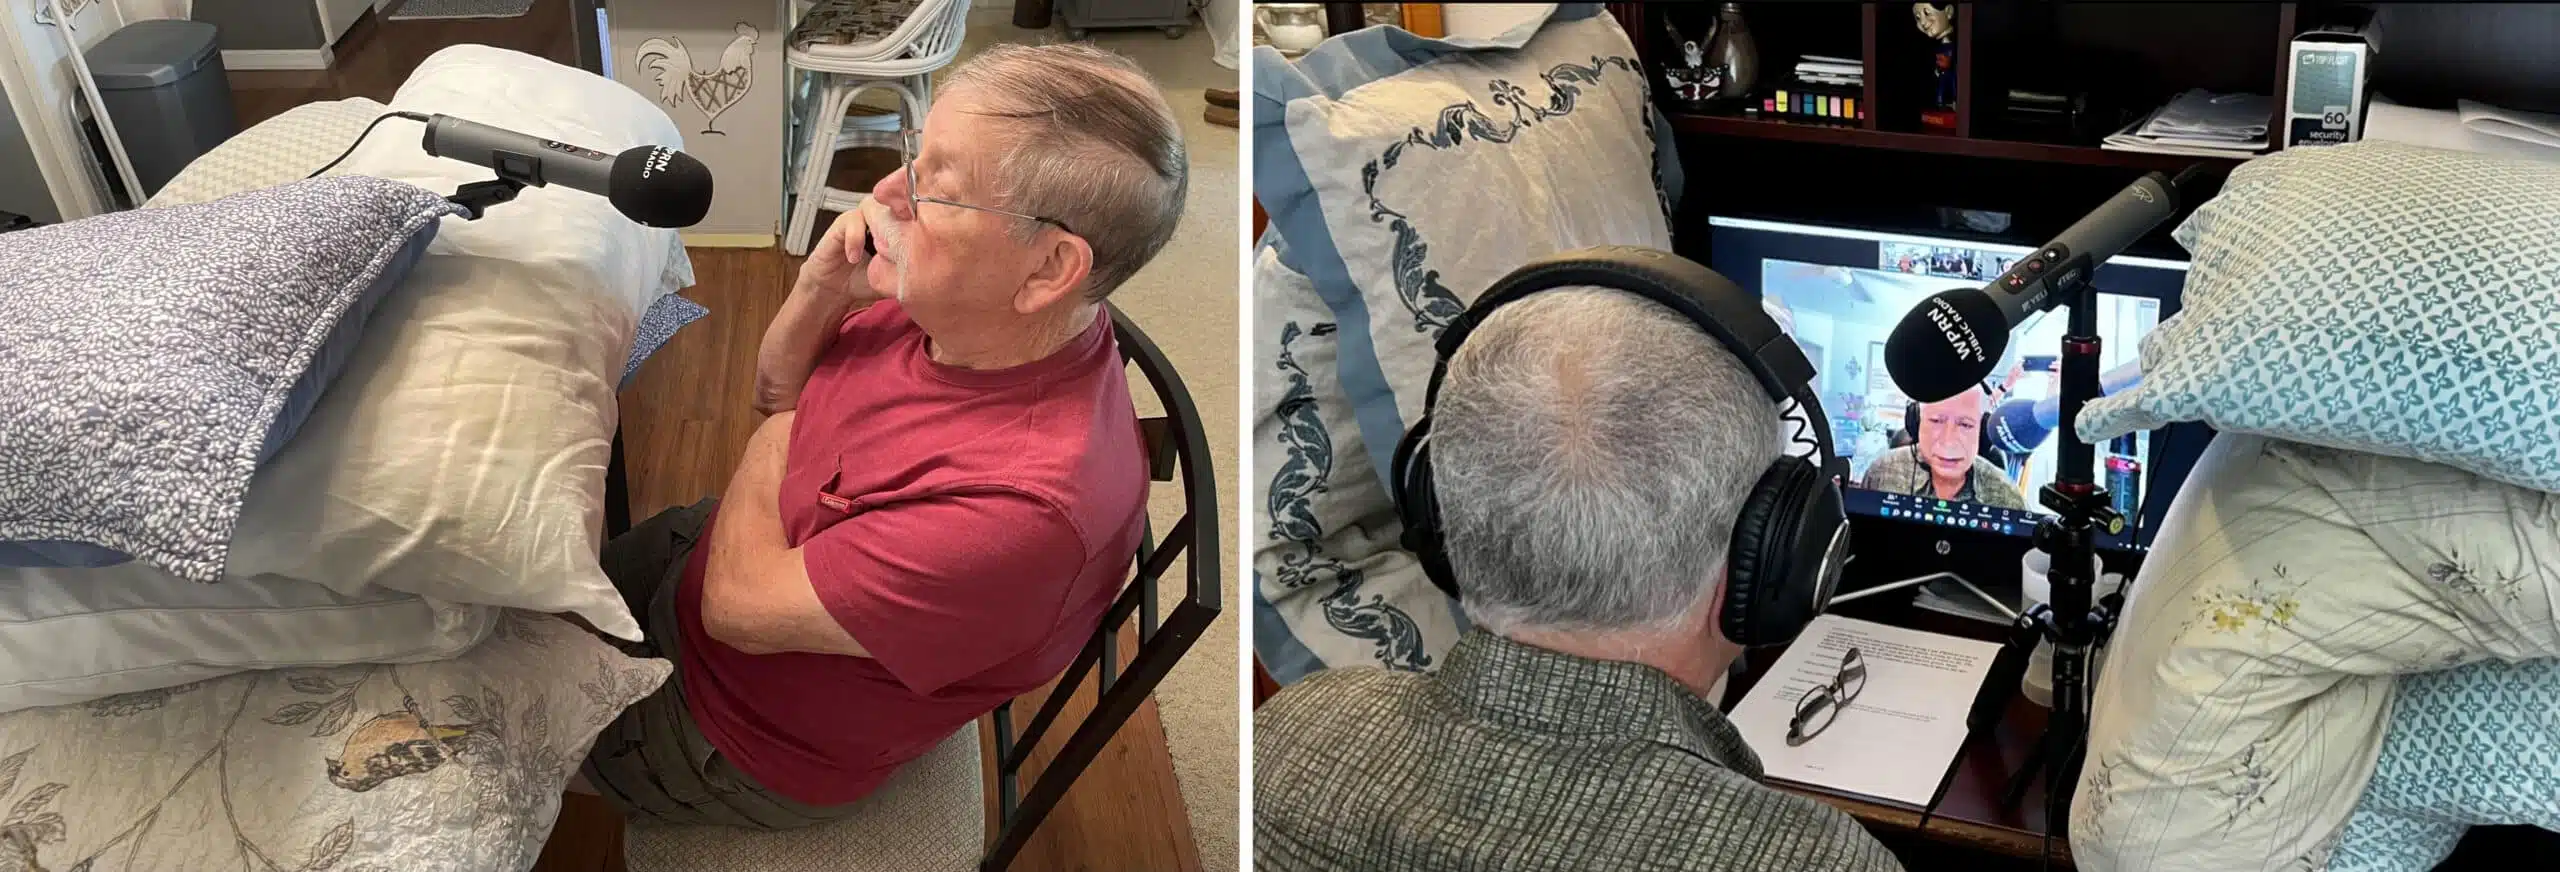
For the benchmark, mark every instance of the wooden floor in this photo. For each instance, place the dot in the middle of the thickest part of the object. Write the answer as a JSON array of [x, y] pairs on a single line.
[[686, 421], [376, 55]]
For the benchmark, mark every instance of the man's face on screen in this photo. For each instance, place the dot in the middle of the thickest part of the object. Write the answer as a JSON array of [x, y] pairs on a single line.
[[1950, 435]]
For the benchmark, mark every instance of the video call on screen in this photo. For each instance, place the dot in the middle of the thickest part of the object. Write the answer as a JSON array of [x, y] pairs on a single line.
[[1975, 460]]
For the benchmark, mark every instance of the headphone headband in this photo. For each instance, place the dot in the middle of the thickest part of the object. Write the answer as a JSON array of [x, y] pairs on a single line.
[[1726, 312]]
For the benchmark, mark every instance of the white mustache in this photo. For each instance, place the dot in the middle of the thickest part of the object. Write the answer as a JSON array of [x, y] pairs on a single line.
[[888, 239]]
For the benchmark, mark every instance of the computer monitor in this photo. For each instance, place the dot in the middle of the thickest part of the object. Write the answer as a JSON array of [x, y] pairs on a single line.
[[1975, 461]]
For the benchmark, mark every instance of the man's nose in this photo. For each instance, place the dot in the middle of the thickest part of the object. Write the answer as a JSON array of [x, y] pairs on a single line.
[[892, 191]]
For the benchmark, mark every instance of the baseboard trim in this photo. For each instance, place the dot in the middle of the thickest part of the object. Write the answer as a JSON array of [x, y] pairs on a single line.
[[278, 59], [727, 240]]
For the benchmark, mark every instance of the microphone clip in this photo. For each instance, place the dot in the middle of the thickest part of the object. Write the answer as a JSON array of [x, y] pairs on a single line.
[[476, 198]]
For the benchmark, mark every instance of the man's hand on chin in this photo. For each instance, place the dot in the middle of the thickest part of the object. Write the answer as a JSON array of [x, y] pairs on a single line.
[[831, 285], [836, 266]]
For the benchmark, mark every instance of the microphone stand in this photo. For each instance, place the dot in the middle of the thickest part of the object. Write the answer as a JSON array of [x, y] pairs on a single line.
[[476, 198], [2071, 621]]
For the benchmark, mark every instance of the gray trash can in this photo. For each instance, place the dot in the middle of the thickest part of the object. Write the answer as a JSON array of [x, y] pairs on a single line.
[[163, 84]]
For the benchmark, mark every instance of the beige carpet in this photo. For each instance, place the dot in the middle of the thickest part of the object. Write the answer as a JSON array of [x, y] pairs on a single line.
[[1186, 300]]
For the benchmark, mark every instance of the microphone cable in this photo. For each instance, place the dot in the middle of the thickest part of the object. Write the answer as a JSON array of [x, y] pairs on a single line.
[[419, 117]]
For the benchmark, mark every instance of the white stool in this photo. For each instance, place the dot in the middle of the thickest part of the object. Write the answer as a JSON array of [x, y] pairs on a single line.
[[901, 62], [930, 817]]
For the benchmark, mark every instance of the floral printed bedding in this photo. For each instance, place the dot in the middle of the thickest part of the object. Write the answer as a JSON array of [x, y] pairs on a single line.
[[2241, 709], [452, 765]]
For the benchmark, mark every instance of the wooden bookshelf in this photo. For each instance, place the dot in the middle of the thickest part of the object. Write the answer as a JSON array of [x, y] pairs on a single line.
[[1998, 46], [1929, 143]]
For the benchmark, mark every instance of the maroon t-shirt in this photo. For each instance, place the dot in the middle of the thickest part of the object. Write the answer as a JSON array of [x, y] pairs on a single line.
[[967, 527]]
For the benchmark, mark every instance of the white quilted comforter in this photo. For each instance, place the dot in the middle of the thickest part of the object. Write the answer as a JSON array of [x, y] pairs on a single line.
[[2239, 714]]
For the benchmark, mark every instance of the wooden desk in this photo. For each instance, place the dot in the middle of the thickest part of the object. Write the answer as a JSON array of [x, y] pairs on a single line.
[[1971, 818]]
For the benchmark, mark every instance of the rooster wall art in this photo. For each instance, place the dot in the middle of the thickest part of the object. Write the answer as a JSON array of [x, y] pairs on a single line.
[[710, 89]]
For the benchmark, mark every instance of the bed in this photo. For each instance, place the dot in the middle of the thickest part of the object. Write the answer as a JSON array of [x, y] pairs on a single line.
[[443, 760]]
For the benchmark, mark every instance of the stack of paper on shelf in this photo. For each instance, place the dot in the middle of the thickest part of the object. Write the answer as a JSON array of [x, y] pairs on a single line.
[[1825, 88], [1825, 70], [2200, 123]]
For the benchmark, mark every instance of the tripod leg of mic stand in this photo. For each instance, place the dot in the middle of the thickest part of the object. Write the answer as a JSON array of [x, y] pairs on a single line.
[[1916, 581]]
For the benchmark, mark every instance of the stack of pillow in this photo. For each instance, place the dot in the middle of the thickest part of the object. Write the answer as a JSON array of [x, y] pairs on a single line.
[[165, 356], [261, 448], [2366, 553]]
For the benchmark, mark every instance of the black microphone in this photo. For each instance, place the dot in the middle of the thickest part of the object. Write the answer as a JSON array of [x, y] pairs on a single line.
[[652, 184], [1951, 341]]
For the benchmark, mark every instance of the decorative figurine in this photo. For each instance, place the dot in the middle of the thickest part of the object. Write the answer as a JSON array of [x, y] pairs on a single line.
[[1938, 22], [1693, 81]]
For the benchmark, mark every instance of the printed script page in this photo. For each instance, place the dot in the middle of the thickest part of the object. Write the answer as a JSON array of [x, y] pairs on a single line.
[[1896, 738]]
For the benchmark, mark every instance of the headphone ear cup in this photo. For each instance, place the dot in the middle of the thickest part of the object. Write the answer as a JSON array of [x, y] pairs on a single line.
[[1418, 507], [1783, 566]]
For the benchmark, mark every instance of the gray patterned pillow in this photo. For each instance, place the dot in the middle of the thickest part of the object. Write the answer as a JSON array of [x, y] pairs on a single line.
[[147, 358], [2374, 297]]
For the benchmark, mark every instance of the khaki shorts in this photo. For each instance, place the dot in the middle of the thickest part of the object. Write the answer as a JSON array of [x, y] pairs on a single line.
[[652, 762]]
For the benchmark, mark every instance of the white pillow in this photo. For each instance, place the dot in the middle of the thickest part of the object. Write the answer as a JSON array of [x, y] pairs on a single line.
[[461, 454], [319, 769], [74, 635]]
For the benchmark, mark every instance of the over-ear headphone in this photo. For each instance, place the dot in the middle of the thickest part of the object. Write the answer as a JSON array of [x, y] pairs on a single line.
[[1792, 536]]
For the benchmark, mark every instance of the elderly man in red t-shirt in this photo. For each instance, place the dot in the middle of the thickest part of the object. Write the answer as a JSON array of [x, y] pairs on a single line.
[[951, 487]]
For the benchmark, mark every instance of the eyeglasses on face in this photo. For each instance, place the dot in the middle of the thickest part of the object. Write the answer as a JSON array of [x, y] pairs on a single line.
[[1821, 705], [910, 144]]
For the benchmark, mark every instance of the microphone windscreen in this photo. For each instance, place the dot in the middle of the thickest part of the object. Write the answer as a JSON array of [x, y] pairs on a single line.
[[661, 187], [1947, 344], [2018, 426]]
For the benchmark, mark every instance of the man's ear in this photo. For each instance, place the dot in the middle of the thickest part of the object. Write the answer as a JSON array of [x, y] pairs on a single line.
[[1714, 606], [1065, 261]]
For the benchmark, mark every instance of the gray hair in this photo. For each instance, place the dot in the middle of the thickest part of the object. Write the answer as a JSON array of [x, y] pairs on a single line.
[[1098, 149], [1591, 450]]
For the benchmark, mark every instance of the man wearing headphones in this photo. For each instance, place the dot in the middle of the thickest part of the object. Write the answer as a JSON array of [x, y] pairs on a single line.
[[1945, 460], [1596, 460]]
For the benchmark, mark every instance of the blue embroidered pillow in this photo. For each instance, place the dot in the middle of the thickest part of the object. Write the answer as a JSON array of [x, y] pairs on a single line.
[[1402, 175], [1405, 174], [2375, 297], [152, 359]]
